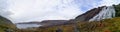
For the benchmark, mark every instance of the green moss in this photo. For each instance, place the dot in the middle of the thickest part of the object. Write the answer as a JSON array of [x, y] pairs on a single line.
[[117, 9]]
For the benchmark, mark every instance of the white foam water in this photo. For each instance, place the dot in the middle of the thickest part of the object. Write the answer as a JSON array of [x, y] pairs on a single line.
[[106, 13]]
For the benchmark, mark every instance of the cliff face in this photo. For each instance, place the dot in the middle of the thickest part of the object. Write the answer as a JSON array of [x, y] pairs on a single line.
[[89, 14], [6, 24], [106, 13], [97, 14]]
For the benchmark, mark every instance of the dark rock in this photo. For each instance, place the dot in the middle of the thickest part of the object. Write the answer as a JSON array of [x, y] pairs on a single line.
[[89, 14]]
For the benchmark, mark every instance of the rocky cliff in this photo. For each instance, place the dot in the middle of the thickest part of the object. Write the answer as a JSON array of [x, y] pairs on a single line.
[[97, 14], [89, 14]]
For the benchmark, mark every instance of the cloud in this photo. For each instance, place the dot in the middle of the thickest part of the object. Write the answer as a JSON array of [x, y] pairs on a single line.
[[3, 8], [38, 10], [109, 2], [86, 5]]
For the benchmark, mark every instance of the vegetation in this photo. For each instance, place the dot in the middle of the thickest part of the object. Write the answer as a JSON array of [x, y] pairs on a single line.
[[117, 9], [107, 25], [6, 24]]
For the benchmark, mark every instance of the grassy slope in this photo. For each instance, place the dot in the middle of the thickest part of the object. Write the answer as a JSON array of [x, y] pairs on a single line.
[[107, 25]]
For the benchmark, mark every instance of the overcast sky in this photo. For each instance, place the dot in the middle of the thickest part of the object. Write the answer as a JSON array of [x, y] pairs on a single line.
[[38, 10]]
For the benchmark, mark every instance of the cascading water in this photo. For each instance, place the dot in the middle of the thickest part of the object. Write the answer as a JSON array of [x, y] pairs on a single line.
[[105, 13]]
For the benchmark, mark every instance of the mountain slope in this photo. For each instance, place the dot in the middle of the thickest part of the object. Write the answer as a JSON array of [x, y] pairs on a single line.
[[97, 14], [5, 24], [89, 14]]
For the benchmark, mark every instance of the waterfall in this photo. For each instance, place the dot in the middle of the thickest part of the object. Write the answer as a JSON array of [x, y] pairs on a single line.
[[106, 13]]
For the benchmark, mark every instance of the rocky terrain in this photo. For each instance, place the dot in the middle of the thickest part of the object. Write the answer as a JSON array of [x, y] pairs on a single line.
[[89, 14]]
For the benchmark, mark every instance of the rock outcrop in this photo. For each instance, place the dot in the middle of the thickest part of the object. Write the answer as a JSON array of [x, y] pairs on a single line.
[[89, 14]]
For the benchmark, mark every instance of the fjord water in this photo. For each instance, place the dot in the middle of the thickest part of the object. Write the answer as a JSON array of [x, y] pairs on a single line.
[[24, 26], [105, 13]]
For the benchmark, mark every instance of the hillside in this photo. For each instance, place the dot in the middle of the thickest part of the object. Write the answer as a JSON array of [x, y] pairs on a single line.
[[107, 25], [96, 14], [89, 14], [6, 24]]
